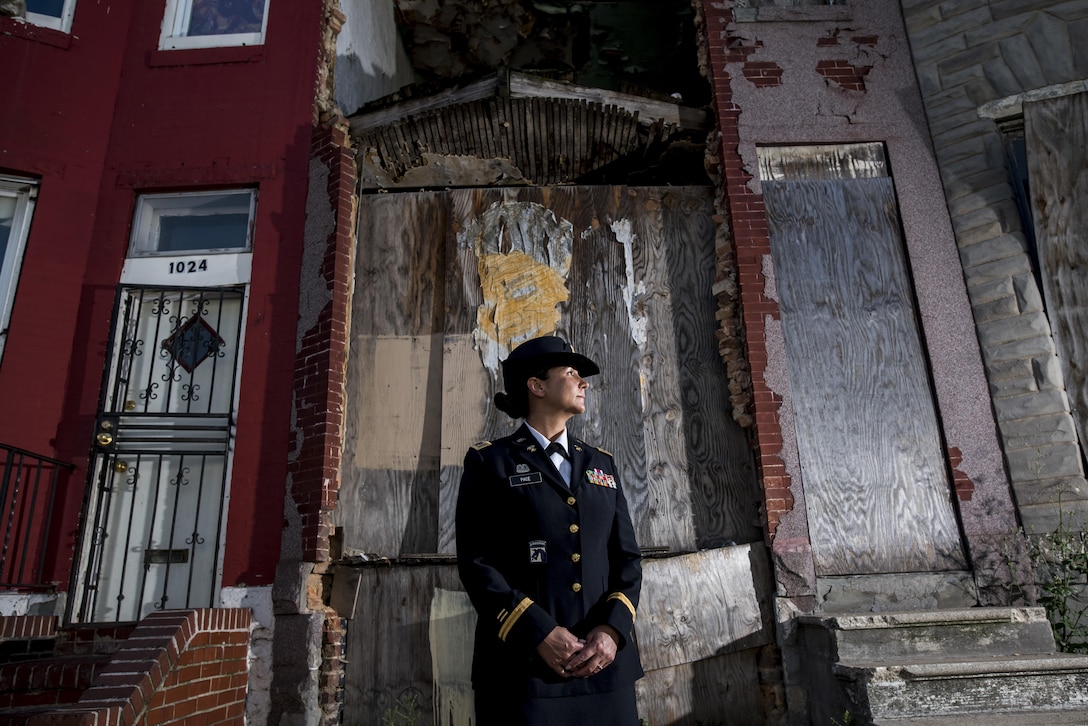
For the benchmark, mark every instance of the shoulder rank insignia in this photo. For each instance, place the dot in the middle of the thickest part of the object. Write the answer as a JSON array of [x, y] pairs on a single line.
[[603, 451], [481, 445], [598, 477]]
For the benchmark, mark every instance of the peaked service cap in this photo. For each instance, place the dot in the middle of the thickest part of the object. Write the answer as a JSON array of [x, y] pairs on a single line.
[[542, 353]]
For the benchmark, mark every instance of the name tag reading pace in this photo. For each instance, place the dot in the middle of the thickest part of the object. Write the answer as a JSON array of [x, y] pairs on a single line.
[[520, 480]]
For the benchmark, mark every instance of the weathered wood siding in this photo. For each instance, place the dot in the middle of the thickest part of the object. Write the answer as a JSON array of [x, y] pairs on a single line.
[[702, 619], [390, 469], [1056, 135], [446, 283], [400, 642], [875, 479]]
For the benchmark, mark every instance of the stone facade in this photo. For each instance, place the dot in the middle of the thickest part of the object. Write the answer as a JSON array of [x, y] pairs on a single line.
[[843, 74], [971, 55]]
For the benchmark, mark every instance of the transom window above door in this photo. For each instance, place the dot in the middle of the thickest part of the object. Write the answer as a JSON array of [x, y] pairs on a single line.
[[198, 222], [213, 23]]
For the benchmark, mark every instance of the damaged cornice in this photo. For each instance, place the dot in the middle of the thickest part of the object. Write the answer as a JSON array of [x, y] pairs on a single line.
[[515, 84]]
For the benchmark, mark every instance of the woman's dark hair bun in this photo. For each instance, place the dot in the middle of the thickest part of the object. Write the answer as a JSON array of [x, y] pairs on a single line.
[[504, 403], [508, 405]]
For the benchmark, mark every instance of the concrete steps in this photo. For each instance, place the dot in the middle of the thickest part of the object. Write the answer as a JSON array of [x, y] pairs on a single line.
[[997, 718], [942, 667]]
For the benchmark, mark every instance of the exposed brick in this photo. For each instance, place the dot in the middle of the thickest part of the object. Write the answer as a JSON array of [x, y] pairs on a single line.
[[763, 75]]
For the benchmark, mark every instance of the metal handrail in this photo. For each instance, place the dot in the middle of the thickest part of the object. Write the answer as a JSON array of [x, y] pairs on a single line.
[[26, 510]]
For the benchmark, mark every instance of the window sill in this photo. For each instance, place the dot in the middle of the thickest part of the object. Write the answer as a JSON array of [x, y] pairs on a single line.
[[807, 13], [30, 31], [205, 56]]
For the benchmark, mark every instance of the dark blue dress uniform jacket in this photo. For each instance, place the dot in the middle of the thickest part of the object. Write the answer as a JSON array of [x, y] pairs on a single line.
[[533, 554]]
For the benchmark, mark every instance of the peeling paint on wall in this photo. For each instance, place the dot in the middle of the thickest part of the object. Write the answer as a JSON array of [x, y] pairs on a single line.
[[633, 292], [523, 255], [634, 289]]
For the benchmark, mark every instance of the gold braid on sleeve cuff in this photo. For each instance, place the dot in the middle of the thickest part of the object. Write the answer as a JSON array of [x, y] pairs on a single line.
[[623, 598], [512, 618]]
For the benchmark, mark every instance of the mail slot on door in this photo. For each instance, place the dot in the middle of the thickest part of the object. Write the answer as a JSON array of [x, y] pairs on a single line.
[[165, 557]]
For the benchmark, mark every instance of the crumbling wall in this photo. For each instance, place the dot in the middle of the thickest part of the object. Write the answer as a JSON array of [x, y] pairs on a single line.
[[976, 62]]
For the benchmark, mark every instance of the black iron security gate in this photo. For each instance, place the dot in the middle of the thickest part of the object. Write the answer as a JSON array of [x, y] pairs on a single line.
[[154, 512]]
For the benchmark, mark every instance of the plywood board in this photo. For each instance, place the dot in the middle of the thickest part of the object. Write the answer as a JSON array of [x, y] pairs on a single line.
[[721, 690], [397, 636], [875, 480], [1056, 135], [453, 622], [625, 274], [704, 604], [389, 489], [410, 640]]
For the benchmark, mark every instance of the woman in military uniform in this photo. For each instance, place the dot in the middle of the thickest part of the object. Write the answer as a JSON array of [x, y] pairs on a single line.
[[547, 553]]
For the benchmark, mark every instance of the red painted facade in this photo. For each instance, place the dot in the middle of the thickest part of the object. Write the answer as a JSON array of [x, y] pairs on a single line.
[[99, 116]]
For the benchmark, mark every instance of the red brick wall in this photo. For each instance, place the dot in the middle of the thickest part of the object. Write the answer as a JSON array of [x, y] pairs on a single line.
[[321, 360], [27, 626], [320, 377], [751, 240], [178, 667]]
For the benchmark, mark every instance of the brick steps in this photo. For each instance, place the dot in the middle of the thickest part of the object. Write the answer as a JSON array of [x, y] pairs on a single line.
[[48, 681], [42, 667], [181, 667]]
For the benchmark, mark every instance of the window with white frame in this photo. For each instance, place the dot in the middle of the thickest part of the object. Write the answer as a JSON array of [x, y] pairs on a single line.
[[181, 224], [213, 23], [16, 208], [55, 14]]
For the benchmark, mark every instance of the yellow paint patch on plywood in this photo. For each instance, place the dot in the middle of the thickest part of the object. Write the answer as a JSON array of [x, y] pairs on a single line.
[[521, 297], [523, 253]]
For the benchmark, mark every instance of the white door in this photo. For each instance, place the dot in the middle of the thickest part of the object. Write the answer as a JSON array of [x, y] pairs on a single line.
[[155, 511], [154, 519]]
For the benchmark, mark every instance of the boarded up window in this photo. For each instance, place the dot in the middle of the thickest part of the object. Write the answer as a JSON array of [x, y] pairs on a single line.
[[875, 481], [1056, 135], [446, 280]]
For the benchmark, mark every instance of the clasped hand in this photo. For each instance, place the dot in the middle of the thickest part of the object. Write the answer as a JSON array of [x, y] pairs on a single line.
[[571, 657]]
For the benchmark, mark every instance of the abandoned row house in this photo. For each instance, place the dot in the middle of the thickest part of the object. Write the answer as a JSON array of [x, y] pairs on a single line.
[[260, 261]]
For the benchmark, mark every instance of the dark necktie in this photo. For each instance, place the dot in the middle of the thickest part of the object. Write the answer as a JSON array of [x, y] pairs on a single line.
[[555, 447]]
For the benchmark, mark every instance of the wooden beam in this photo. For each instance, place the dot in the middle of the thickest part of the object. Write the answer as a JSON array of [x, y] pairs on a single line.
[[523, 85], [649, 110], [484, 88]]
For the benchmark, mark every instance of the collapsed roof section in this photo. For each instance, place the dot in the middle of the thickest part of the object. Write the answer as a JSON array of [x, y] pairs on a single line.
[[512, 128]]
